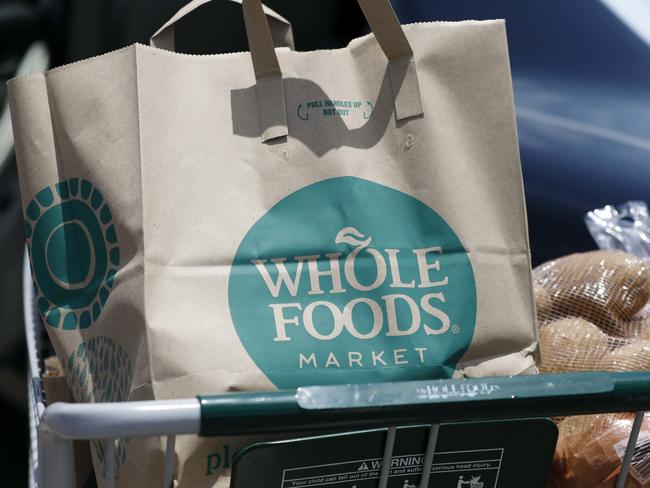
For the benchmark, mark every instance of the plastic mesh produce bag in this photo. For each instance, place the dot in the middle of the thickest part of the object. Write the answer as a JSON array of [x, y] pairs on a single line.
[[593, 315], [626, 228], [590, 449], [606, 288]]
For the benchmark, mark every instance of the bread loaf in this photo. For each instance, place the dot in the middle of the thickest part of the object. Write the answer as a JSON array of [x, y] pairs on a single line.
[[586, 455]]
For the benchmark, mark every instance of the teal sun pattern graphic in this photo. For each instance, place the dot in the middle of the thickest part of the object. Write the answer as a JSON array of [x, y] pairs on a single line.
[[73, 251]]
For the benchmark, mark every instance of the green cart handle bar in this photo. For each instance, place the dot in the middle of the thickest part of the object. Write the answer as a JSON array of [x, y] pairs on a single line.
[[416, 402]]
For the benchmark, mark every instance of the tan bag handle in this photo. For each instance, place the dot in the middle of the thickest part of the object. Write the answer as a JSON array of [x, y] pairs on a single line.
[[270, 88], [165, 37]]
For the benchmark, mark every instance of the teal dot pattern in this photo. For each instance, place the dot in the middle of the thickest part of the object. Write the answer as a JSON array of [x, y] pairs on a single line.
[[99, 370], [74, 253]]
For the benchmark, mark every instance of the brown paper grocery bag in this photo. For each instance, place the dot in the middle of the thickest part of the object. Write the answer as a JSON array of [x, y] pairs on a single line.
[[252, 221]]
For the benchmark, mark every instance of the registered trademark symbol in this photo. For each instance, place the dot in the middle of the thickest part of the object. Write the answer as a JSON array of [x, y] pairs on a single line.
[[455, 329]]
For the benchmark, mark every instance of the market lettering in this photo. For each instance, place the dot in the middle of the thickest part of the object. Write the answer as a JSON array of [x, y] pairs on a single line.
[[356, 359]]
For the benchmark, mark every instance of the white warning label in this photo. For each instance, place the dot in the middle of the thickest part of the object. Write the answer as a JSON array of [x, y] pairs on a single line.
[[458, 469]]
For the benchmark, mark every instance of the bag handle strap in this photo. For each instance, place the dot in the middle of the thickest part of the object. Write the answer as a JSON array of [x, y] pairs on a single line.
[[401, 65], [270, 88], [165, 38]]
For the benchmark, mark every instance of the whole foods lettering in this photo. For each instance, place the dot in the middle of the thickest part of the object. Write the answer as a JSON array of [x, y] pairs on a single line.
[[347, 280], [424, 315]]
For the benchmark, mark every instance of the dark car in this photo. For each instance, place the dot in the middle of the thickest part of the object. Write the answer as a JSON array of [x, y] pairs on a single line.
[[581, 73]]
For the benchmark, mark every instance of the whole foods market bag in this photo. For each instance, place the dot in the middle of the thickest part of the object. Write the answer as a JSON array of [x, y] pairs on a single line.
[[208, 223]]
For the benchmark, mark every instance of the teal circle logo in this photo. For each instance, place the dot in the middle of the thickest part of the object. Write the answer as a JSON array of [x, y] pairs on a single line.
[[350, 281], [73, 253]]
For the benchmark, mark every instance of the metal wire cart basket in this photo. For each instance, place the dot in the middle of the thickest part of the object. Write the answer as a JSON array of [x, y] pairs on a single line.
[[457, 433]]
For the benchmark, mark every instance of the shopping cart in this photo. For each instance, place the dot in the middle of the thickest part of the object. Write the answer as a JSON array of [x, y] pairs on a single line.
[[373, 411]]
